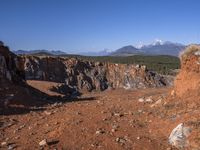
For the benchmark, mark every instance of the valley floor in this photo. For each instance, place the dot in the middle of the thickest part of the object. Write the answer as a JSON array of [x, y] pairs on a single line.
[[114, 120]]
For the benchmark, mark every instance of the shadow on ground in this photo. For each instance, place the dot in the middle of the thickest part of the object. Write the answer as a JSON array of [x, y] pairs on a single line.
[[15, 99]]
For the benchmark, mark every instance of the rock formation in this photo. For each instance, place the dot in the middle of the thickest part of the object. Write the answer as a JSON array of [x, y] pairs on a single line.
[[186, 96], [9, 69], [188, 80], [75, 75], [86, 75]]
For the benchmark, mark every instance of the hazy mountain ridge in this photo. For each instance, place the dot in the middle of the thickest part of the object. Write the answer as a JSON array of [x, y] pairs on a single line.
[[156, 48], [29, 52]]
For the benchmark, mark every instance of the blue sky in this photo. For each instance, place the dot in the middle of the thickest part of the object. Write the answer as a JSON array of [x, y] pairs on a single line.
[[94, 25]]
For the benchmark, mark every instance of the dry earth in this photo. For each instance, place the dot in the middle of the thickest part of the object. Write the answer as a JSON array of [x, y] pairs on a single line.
[[113, 119]]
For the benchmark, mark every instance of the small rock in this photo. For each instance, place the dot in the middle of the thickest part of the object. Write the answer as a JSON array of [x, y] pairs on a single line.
[[3, 143], [98, 102], [115, 126], [172, 93], [141, 100], [149, 100], [11, 95], [120, 140], [178, 136], [78, 113], [158, 102], [113, 130], [10, 147], [47, 112], [103, 112], [43, 142], [17, 137], [118, 114], [100, 131]]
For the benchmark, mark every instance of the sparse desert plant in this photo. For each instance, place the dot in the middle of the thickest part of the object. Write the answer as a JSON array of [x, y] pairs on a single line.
[[192, 49]]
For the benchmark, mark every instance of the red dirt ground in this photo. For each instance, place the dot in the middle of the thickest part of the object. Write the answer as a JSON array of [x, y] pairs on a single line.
[[113, 120]]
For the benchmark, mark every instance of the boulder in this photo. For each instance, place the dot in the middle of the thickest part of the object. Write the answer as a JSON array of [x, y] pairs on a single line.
[[178, 136]]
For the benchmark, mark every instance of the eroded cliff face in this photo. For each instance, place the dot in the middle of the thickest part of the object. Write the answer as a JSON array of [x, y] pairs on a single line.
[[85, 75], [188, 80], [76, 74], [9, 70]]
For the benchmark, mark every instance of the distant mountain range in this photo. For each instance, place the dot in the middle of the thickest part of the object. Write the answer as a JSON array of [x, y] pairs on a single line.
[[46, 52], [105, 52], [156, 48]]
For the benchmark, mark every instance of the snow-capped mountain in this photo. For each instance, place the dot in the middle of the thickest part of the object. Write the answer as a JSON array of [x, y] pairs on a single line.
[[158, 47]]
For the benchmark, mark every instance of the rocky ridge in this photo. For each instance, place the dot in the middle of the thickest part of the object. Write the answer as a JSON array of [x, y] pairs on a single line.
[[88, 76]]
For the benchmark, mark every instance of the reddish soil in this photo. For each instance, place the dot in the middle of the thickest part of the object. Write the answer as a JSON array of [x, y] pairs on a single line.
[[113, 119]]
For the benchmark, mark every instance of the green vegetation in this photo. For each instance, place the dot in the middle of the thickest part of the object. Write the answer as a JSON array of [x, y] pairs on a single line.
[[162, 63]]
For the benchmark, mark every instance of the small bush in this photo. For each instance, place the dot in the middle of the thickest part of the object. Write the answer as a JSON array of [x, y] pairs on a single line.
[[189, 50]]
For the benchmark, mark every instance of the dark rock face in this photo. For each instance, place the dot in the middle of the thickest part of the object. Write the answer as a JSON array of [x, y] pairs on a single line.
[[9, 70], [85, 75]]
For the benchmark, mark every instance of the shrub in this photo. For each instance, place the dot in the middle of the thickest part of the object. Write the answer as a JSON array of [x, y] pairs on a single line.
[[192, 49]]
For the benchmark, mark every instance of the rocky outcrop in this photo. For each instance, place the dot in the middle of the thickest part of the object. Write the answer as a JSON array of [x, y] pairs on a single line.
[[186, 97], [76, 74], [9, 71], [86, 75], [188, 80]]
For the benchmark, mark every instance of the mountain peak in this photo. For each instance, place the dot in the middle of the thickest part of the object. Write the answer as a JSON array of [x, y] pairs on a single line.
[[158, 42]]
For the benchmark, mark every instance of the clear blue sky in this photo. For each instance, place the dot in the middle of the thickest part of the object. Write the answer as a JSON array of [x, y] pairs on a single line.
[[92, 25]]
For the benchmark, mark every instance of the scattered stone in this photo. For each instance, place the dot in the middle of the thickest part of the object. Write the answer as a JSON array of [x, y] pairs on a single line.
[[141, 100], [105, 119], [100, 131], [3, 143], [78, 113], [43, 142], [172, 93], [98, 102], [103, 112], [158, 102], [57, 104], [118, 114], [17, 137], [120, 140], [113, 130], [22, 126], [140, 111], [11, 95], [138, 138], [10, 147], [115, 126], [47, 112], [178, 136], [149, 100]]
